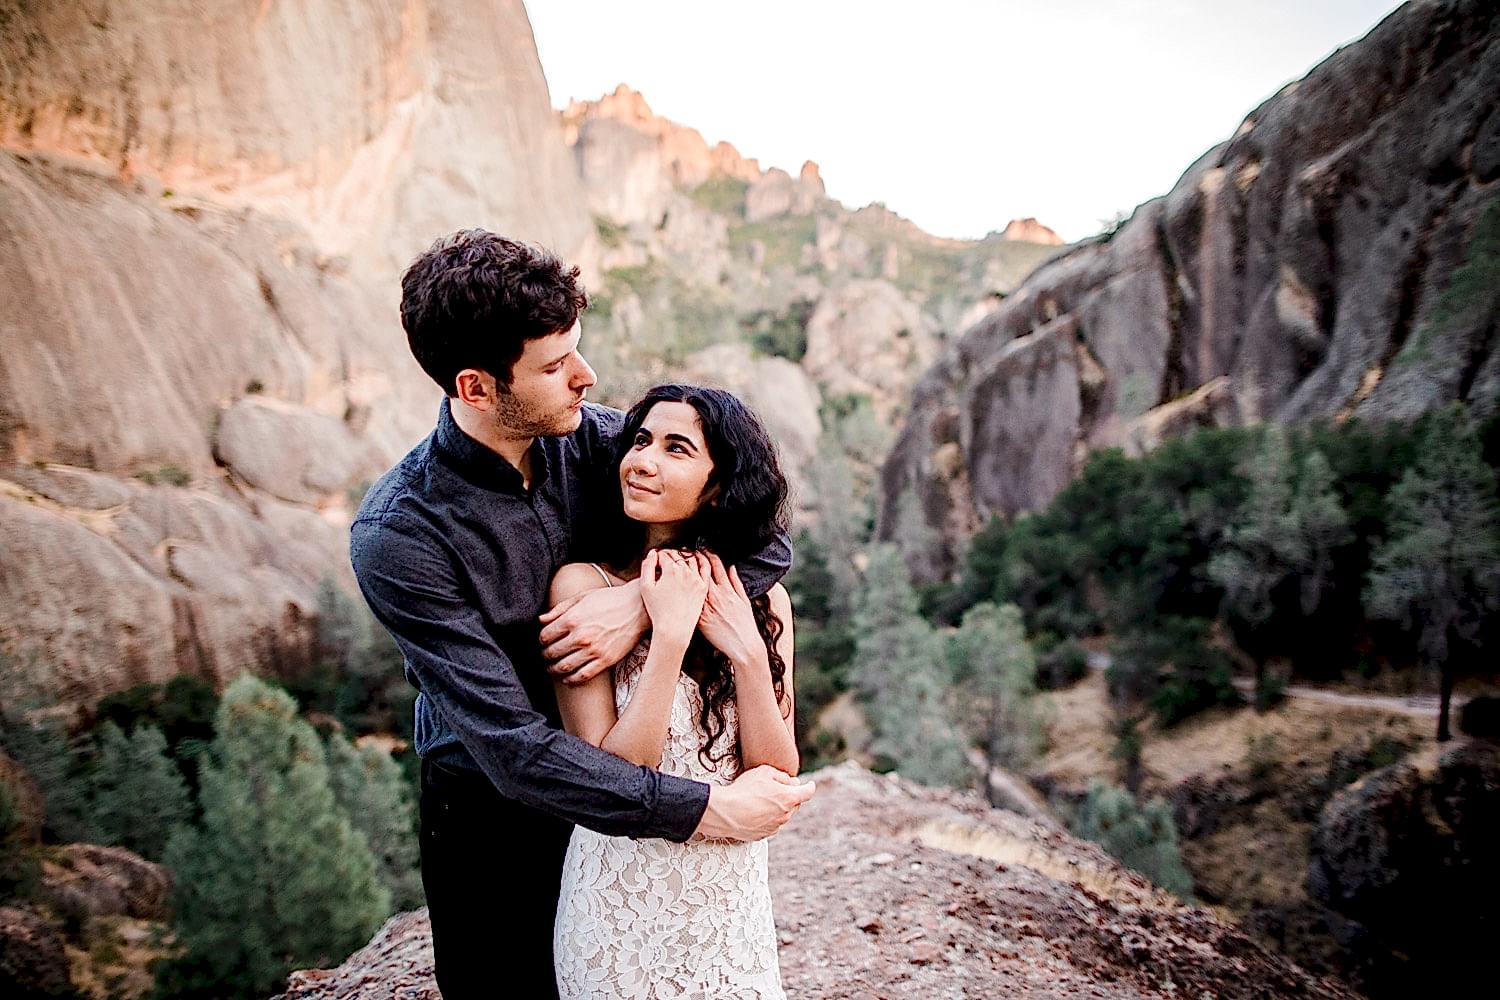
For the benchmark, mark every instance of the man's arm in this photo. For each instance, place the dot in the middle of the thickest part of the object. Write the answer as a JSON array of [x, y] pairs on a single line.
[[409, 580]]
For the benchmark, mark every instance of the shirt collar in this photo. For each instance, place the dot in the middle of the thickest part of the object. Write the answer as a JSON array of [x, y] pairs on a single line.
[[480, 464]]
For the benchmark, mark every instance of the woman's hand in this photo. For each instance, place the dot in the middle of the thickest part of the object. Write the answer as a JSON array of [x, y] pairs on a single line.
[[727, 619], [673, 591]]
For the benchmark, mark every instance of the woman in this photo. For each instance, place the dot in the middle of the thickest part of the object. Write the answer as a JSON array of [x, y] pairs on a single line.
[[706, 695]]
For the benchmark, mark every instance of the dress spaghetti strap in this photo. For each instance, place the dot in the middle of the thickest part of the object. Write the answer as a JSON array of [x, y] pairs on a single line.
[[607, 581]]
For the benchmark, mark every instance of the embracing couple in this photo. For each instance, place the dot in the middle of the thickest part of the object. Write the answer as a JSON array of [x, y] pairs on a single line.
[[587, 603]]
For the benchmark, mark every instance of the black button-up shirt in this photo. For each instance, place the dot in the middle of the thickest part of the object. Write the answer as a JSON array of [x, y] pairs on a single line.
[[454, 556]]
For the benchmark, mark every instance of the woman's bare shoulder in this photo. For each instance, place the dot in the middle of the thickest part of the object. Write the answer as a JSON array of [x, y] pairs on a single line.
[[572, 579], [781, 601]]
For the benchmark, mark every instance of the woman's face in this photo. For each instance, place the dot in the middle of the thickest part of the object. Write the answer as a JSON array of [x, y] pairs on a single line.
[[662, 477]]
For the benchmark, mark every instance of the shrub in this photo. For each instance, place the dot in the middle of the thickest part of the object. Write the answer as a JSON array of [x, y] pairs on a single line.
[[1141, 837], [1060, 664]]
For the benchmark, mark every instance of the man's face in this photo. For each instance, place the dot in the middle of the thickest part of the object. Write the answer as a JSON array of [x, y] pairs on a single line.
[[547, 386]]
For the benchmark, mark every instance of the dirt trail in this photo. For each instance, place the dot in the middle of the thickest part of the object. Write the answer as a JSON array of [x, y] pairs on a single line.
[[1422, 706]]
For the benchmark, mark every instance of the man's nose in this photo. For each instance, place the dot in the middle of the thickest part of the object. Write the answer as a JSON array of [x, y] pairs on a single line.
[[584, 376]]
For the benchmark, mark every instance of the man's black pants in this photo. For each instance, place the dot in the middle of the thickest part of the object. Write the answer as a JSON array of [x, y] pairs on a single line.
[[491, 868]]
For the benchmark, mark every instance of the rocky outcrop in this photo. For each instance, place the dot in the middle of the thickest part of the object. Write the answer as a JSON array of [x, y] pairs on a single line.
[[33, 956], [883, 888], [201, 362], [375, 127], [865, 337], [777, 192], [1029, 230], [1408, 857], [1313, 262], [82, 881], [630, 160]]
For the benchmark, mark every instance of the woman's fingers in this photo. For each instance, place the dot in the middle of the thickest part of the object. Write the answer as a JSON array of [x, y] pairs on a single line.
[[739, 588], [720, 577]]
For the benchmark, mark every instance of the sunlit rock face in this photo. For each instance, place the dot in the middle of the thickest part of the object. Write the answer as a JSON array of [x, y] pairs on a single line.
[[204, 210], [374, 126], [1029, 230], [1311, 267]]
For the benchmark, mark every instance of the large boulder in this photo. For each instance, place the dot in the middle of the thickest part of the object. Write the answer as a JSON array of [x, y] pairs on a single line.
[[33, 956], [82, 881], [1408, 856], [1310, 267]]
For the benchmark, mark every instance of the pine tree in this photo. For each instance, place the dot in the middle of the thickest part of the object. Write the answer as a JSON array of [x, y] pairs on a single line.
[[918, 540], [1142, 837], [1265, 546], [274, 877], [1439, 569], [837, 529], [995, 671], [139, 795], [1323, 524], [376, 796], [900, 672]]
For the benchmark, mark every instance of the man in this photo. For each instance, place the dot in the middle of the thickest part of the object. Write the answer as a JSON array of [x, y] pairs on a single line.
[[454, 549]]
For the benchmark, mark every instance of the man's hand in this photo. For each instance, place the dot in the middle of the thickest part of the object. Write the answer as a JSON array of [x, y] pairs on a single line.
[[757, 805], [593, 631]]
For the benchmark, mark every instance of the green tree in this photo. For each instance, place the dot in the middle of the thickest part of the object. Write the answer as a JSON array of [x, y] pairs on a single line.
[[1439, 569], [19, 868], [139, 795], [372, 790], [59, 765], [1141, 837], [274, 877], [1323, 524], [918, 540], [900, 672], [1171, 666], [994, 670], [1264, 547], [825, 645]]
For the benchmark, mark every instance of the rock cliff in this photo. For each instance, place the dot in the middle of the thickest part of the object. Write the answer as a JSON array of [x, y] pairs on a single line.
[[1334, 258], [883, 888], [203, 210]]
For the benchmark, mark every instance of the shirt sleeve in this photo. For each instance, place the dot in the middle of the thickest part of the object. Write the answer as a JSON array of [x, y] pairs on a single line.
[[601, 428], [408, 577]]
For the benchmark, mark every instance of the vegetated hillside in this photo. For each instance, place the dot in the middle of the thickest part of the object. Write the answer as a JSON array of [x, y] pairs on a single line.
[[1335, 258], [714, 269], [883, 888]]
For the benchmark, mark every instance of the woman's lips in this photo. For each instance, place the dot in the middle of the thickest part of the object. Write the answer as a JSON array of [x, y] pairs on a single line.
[[639, 489]]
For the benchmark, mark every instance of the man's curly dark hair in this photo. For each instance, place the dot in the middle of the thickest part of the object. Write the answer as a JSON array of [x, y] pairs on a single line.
[[473, 299]]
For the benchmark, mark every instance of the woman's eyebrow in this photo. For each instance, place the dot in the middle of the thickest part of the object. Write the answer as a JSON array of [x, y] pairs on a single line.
[[684, 439]]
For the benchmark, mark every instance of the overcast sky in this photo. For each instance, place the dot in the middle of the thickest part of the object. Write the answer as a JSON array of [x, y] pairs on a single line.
[[958, 115]]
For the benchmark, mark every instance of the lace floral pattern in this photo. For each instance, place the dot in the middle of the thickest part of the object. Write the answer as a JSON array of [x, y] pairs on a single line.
[[652, 919]]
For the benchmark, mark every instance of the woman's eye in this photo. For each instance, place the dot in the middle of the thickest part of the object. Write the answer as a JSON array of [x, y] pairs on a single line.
[[641, 440]]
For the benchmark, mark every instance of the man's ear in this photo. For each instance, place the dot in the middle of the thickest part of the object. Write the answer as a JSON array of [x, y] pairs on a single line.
[[476, 388]]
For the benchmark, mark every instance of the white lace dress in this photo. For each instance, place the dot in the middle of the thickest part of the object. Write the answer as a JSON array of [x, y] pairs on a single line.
[[653, 919]]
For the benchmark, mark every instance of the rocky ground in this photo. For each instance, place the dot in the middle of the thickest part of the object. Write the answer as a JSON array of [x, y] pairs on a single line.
[[885, 889]]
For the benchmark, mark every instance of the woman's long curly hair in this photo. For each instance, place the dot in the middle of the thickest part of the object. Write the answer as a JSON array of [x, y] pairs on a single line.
[[748, 510]]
